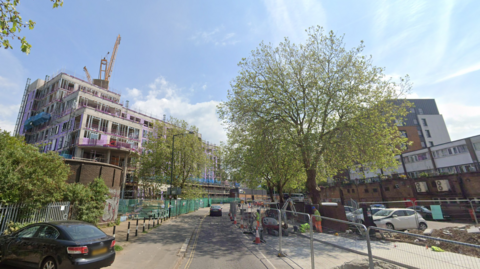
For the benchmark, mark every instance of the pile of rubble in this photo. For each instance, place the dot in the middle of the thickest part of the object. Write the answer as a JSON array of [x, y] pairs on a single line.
[[466, 234], [363, 264]]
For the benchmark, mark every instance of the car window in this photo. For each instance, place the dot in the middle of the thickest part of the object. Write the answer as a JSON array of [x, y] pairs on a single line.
[[358, 211], [29, 232], [375, 210], [48, 232], [78, 232], [215, 207], [400, 213], [409, 212], [383, 213]]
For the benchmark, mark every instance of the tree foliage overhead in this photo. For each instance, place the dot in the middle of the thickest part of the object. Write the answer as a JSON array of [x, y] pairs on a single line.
[[190, 158], [331, 103], [11, 23]]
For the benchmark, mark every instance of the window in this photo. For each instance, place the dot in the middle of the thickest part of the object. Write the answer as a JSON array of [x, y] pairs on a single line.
[[48, 232], [431, 144], [399, 213], [387, 188], [428, 133], [375, 190], [28, 233], [403, 134], [424, 122], [476, 146], [415, 122], [420, 111], [412, 110], [423, 144], [353, 190], [366, 190], [420, 133], [409, 212]]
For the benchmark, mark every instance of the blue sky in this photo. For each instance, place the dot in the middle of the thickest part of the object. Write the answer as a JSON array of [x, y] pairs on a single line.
[[178, 57]]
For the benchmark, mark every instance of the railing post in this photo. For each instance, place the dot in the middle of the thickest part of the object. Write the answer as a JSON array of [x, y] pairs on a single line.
[[280, 253], [473, 212], [369, 248], [311, 241]]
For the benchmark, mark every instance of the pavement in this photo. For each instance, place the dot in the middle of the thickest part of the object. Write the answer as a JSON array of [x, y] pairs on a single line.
[[442, 224]]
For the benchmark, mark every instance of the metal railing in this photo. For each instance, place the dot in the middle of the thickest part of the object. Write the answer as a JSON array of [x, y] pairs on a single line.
[[20, 213], [423, 251]]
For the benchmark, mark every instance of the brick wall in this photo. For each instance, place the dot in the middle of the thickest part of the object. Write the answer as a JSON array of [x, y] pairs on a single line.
[[462, 186], [85, 172]]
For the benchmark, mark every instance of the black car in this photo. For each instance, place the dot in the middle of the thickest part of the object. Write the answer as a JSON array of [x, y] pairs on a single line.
[[215, 210], [58, 245]]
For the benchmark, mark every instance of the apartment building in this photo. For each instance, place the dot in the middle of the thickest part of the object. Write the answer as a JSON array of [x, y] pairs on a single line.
[[424, 126], [83, 121]]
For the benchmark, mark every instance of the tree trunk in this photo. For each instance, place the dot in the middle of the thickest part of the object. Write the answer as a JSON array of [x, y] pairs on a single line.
[[312, 186], [280, 193]]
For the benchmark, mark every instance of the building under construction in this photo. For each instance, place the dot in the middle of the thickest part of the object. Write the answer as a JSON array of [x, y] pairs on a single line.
[[84, 120]]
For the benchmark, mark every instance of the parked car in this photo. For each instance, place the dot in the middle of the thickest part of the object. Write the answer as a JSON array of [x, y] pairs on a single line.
[[425, 212], [399, 219], [215, 210], [348, 209], [357, 215], [378, 206], [58, 244], [297, 197]]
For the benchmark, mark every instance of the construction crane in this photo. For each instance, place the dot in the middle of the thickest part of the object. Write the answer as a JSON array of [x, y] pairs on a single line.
[[88, 74], [106, 68]]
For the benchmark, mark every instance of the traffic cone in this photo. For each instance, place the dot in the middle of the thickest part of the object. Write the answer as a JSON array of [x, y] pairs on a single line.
[[234, 220], [257, 238]]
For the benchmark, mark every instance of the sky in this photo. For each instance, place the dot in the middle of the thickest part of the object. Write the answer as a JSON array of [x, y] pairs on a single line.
[[178, 57]]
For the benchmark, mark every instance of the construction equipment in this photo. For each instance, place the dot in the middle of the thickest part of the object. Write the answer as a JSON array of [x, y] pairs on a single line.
[[106, 68], [88, 74], [270, 221]]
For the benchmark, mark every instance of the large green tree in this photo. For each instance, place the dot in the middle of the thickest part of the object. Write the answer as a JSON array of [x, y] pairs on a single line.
[[11, 23], [260, 156], [29, 176], [326, 100], [190, 158]]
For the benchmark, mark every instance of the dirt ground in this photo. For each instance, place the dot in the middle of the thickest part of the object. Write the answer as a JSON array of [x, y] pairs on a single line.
[[455, 234]]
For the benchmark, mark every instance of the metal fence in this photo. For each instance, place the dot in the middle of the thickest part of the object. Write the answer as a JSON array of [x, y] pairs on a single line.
[[144, 208], [420, 251], [20, 213]]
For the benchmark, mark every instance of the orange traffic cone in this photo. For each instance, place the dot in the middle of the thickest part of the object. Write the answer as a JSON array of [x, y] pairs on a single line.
[[234, 220], [257, 237]]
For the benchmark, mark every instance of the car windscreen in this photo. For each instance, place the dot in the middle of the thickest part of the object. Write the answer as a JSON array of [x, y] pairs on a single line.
[[358, 211], [79, 231], [383, 213], [215, 207], [375, 210]]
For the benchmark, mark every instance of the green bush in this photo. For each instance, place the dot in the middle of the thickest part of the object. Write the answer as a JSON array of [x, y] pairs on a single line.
[[117, 221], [88, 201], [15, 226]]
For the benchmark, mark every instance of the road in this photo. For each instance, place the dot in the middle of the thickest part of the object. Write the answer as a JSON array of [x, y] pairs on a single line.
[[217, 243]]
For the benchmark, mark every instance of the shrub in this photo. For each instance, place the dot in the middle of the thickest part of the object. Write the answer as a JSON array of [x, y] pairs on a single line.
[[15, 226], [88, 202]]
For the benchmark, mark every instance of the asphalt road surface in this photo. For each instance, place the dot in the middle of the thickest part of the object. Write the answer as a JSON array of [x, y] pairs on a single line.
[[217, 244]]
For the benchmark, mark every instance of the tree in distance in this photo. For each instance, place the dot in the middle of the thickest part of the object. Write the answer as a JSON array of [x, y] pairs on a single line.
[[189, 157], [330, 102], [12, 23]]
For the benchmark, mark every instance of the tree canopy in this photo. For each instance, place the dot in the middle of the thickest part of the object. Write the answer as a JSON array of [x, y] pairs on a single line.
[[11, 23], [330, 102], [189, 153]]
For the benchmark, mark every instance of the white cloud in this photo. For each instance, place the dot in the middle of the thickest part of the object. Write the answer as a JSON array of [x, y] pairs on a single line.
[[135, 93], [290, 19], [166, 98], [462, 120], [462, 72], [216, 37]]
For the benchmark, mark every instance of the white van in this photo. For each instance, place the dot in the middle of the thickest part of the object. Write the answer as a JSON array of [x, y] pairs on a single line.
[[297, 197]]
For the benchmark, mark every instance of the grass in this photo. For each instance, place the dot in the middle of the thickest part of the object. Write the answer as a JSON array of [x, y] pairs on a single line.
[[118, 248], [145, 232]]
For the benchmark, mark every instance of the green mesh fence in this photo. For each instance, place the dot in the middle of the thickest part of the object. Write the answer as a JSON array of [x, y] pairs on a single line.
[[139, 208]]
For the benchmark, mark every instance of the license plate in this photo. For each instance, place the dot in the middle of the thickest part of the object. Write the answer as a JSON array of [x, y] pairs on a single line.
[[99, 251]]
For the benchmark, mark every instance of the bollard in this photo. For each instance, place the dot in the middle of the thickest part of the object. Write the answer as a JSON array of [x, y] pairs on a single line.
[[128, 230], [114, 231], [136, 229], [143, 225], [148, 223], [158, 219]]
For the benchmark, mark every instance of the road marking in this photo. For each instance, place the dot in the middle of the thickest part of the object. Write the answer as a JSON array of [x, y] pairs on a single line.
[[189, 262]]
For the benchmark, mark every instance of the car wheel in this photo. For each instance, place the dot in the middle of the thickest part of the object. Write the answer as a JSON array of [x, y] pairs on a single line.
[[422, 226], [390, 226], [49, 263]]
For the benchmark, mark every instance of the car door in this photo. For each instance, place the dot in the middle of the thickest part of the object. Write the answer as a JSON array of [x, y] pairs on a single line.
[[21, 246], [398, 219], [45, 243]]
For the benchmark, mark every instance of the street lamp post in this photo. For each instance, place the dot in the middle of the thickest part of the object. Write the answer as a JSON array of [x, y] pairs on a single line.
[[171, 173]]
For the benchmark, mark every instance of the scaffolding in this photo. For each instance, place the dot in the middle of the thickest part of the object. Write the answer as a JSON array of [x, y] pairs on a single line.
[[22, 109]]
